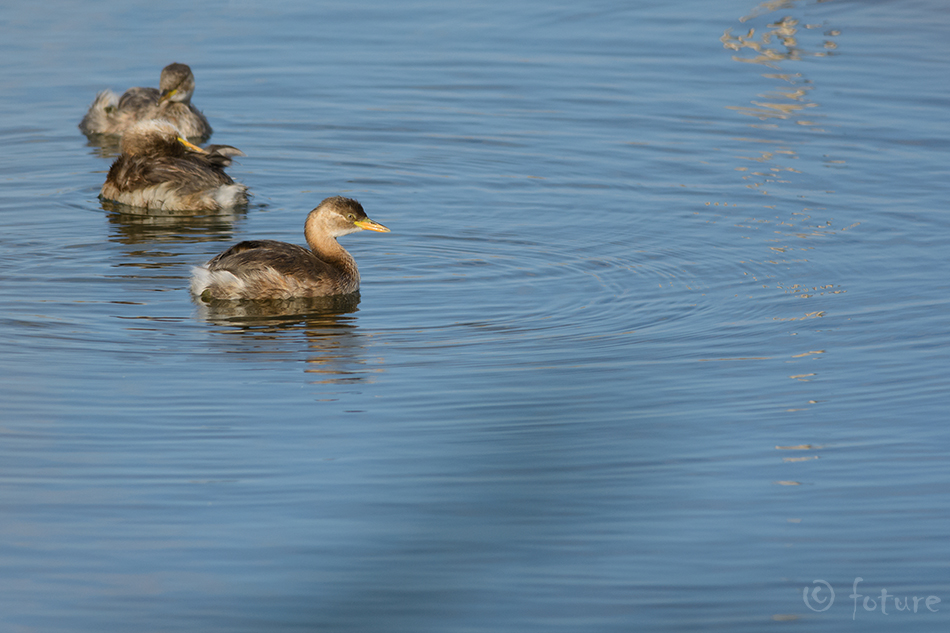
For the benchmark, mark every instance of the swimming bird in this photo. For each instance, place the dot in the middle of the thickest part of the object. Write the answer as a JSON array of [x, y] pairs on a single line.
[[110, 114], [158, 169], [268, 269]]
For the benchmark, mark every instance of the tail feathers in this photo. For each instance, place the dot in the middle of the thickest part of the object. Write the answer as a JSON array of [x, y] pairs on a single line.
[[218, 284], [200, 280], [231, 195]]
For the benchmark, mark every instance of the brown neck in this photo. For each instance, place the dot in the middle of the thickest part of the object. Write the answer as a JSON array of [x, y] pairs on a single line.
[[327, 249]]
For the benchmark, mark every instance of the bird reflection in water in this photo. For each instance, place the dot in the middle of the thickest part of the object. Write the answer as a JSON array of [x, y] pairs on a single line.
[[277, 312], [136, 225], [321, 332]]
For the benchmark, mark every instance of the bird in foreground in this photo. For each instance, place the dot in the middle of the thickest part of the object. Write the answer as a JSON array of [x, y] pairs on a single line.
[[110, 114], [268, 269], [158, 169]]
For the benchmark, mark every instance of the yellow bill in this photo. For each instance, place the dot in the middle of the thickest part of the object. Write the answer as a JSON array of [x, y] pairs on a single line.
[[192, 146], [369, 225]]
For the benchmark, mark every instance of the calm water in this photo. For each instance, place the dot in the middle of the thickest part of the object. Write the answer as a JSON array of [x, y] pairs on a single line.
[[658, 339]]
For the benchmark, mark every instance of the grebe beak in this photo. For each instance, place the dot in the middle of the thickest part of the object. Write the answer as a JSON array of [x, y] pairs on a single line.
[[369, 225], [191, 146]]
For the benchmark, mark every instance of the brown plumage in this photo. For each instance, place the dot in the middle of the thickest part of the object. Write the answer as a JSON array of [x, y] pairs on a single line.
[[158, 169], [267, 269], [110, 114]]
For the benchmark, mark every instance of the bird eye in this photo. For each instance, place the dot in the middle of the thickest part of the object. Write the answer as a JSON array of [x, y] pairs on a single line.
[[350, 216]]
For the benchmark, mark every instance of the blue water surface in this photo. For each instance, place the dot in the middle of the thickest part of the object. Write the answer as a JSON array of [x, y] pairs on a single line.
[[658, 340]]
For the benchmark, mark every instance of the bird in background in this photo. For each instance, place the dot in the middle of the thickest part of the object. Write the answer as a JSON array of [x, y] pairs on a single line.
[[159, 169], [113, 115]]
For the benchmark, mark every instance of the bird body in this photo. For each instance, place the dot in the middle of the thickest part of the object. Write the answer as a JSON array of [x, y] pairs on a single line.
[[268, 269], [111, 114], [158, 169]]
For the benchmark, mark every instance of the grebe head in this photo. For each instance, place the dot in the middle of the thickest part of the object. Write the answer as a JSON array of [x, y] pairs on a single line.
[[156, 137], [338, 216], [177, 83]]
